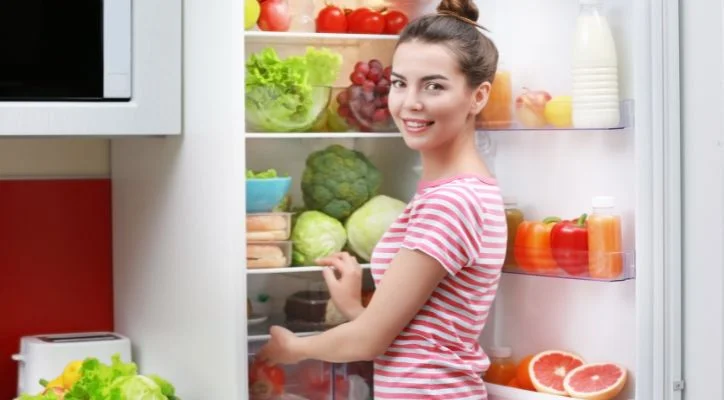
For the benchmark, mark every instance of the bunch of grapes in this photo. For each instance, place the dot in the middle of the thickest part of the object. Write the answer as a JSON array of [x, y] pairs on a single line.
[[364, 103]]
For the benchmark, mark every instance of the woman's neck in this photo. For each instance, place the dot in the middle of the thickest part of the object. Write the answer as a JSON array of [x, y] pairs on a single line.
[[459, 157]]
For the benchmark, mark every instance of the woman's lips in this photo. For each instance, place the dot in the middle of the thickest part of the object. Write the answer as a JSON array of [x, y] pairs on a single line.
[[416, 125]]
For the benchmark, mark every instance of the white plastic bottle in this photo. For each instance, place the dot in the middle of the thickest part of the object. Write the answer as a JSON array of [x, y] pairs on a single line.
[[595, 70]]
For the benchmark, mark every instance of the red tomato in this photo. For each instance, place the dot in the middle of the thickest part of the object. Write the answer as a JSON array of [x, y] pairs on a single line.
[[274, 16], [265, 381], [395, 21], [331, 19], [364, 20]]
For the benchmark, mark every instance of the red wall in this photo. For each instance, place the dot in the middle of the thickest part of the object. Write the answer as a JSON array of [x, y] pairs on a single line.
[[55, 263]]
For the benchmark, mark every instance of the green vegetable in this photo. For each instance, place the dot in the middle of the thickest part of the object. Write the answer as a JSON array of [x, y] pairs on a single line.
[[316, 235], [366, 226], [288, 95], [137, 387], [167, 389], [118, 381], [270, 173], [337, 181]]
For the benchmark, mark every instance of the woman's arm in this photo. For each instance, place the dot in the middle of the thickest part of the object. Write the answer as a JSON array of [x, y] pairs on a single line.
[[406, 286]]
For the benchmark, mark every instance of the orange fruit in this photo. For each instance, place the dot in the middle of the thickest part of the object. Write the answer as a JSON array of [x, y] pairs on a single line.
[[513, 383], [602, 381], [548, 369], [523, 375]]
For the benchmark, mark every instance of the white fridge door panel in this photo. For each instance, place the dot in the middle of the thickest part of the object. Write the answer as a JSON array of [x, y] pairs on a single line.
[[702, 64]]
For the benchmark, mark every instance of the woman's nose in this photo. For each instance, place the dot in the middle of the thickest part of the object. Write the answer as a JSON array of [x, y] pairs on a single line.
[[412, 101]]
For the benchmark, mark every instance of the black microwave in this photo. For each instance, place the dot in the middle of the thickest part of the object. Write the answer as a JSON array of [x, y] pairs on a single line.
[[65, 50]]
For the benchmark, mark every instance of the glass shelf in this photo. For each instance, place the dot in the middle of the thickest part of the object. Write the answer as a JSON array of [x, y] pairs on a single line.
[[291, 270], [318, 39], [260, 332], [626, 123], [322, 135]]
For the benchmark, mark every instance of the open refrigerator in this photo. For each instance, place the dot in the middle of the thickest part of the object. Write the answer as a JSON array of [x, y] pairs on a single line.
[[632, 319]]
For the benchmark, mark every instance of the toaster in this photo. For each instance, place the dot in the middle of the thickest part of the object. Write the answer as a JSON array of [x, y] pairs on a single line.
[[45, 356]]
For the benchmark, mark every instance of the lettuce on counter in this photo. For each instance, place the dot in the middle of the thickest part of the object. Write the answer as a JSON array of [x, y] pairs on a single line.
[[118, 381]]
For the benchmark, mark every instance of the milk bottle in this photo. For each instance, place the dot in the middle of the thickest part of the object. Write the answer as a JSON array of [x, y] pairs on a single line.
[[595, 70]]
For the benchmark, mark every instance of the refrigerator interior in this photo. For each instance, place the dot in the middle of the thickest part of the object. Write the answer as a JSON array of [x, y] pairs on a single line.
[[550, 172]]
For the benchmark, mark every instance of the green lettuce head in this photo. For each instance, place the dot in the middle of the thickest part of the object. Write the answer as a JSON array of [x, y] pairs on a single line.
[[367, 224], [316, 235]]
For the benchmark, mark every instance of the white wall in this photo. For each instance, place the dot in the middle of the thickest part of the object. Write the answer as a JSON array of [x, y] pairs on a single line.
[[20, 158]]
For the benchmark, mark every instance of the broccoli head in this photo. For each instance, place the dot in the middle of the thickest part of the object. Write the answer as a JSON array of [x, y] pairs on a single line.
[[337, 181]]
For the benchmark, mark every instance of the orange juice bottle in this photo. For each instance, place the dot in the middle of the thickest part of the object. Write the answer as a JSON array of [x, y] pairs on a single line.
[[605, 259], [513, 218], [498, 113], [502, 368]]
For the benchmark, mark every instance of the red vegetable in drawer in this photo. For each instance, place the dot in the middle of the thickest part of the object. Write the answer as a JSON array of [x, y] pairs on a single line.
[[265, 381], [569, 244]]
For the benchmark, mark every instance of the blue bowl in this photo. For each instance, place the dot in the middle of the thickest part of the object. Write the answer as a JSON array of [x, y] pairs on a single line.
[[262, 195]]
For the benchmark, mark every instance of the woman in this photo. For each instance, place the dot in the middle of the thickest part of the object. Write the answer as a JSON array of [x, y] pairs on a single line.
[[437, 268]]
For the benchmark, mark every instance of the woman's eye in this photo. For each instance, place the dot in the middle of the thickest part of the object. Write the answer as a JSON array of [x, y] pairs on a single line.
[[397, 83], [433, 86]]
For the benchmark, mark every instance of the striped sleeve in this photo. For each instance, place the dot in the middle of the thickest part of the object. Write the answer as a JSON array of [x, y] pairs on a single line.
[[446, 225]]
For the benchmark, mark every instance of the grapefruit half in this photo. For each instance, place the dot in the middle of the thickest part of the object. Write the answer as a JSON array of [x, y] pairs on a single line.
[[548, 369], [602, 381]]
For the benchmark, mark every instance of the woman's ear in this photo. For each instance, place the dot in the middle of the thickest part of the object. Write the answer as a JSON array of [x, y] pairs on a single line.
[[480, 98]]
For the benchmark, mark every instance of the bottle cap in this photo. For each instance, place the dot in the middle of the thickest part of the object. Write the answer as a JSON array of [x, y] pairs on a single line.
[[603, 202], [501, 352]]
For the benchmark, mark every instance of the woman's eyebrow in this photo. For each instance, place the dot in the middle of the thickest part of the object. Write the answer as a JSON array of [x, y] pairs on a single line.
[[424, 78]]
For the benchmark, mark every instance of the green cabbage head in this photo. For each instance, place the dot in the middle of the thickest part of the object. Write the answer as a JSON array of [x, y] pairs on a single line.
[[366, 226], [316, 235]]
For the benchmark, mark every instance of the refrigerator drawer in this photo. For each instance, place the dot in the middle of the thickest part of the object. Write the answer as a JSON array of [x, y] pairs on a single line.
[[309, 380]]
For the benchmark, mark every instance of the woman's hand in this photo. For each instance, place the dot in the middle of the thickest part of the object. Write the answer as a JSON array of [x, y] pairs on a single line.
[[346, 291], [281, 348]]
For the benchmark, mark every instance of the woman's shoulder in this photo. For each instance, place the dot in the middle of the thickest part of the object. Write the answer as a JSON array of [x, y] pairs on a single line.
[[464, 191]]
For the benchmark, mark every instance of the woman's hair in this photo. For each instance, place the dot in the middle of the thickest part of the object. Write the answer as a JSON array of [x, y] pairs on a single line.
[[455, 26]]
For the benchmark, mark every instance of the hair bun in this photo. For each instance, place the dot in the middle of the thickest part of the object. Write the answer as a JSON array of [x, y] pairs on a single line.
[[463, 8]]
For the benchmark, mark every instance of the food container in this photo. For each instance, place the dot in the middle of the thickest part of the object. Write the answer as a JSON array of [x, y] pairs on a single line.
[[264, 227], [261, 255], [311, 310], [262, 195], [289, 114], [362, 106]]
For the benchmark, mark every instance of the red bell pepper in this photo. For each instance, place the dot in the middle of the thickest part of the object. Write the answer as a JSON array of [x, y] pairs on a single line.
[[569, 242], [265, 381], [533, 246]]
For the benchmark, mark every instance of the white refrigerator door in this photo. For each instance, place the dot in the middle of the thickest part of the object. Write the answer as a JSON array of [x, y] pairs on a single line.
[[702, 74]]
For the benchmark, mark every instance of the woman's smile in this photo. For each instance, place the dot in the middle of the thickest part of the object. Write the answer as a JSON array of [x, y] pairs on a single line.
[[416, 125]]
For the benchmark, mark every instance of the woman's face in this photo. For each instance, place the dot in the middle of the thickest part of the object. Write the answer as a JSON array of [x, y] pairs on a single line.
[[429, 99]]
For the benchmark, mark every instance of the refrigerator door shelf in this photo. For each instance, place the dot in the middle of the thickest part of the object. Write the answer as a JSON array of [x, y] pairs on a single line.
[[623, 262], [499, 392], [626, 121]]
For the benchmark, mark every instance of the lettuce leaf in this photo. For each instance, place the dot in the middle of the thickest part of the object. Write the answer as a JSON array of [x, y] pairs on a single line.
[[288, 95], [117, 381], [97, 379]]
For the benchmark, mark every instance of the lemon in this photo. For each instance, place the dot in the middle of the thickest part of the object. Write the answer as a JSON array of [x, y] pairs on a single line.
[[57, 383], [71, 373], [558, 112], [252, 9]]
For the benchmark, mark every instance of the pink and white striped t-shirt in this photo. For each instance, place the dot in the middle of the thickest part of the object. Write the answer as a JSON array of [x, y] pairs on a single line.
[[461, 223]]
